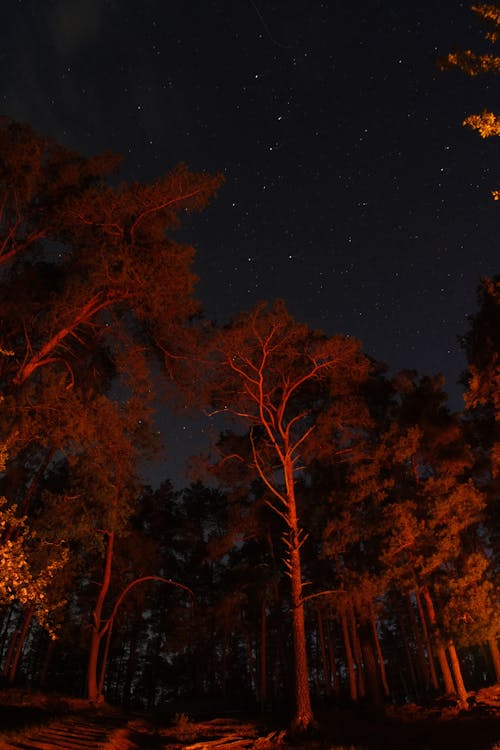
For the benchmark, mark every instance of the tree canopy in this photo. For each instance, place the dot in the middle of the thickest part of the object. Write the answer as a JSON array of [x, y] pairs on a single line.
[[345, 542]]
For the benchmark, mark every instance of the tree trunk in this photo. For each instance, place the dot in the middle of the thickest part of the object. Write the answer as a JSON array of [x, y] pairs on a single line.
[[427, 640], [425, 673], [331, 654], [104, 659], [378, 648], [20, 643], [357, 651], [251, 663], [303, 718], [12, 645], [495, 656], [371, 670], [353, 686], [24, 505], [96, 629], [457, 674], [92, 665], [449, 687], [409, 660], [263, 653], [46, 664], [324, 661]]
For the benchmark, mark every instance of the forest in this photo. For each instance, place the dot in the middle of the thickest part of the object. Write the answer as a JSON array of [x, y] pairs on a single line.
[[341, 542]]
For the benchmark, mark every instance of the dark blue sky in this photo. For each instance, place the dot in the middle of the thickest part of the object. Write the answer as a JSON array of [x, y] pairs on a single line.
[[352, 189]]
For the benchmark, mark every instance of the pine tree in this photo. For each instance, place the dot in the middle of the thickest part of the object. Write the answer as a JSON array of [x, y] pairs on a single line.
[[265, 368]]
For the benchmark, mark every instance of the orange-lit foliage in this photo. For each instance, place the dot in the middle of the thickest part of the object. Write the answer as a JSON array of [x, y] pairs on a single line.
[[90, 281], [406, 512], [37, 177], [106, 250], [23, 580], [486, 123]]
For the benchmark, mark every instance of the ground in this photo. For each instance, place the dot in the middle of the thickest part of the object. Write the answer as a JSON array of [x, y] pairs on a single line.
[[38, 722]]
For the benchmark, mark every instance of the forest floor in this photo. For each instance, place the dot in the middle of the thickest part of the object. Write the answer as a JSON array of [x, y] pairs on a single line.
[[29, 722]]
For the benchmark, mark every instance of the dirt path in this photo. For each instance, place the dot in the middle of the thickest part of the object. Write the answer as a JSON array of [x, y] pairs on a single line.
[[108, 732], [70, 733]]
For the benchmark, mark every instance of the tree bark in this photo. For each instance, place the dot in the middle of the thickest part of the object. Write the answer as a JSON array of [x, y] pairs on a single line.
[[251, 663], [303, 718], [324, 661], [449, 687], [427, 640], [409, 660], [378, 648], [331, 654], [46, 664], [495, 656], [96, 629], [303, 711], [104, 659], [263, 653], [422, 670], [371, 670], [281, 672], [20, 643], [353, 686], [457, 674], [8, 641], [357, 650]]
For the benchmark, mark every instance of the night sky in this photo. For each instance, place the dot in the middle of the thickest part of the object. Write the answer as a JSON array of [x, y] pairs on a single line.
[[352, 190]]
